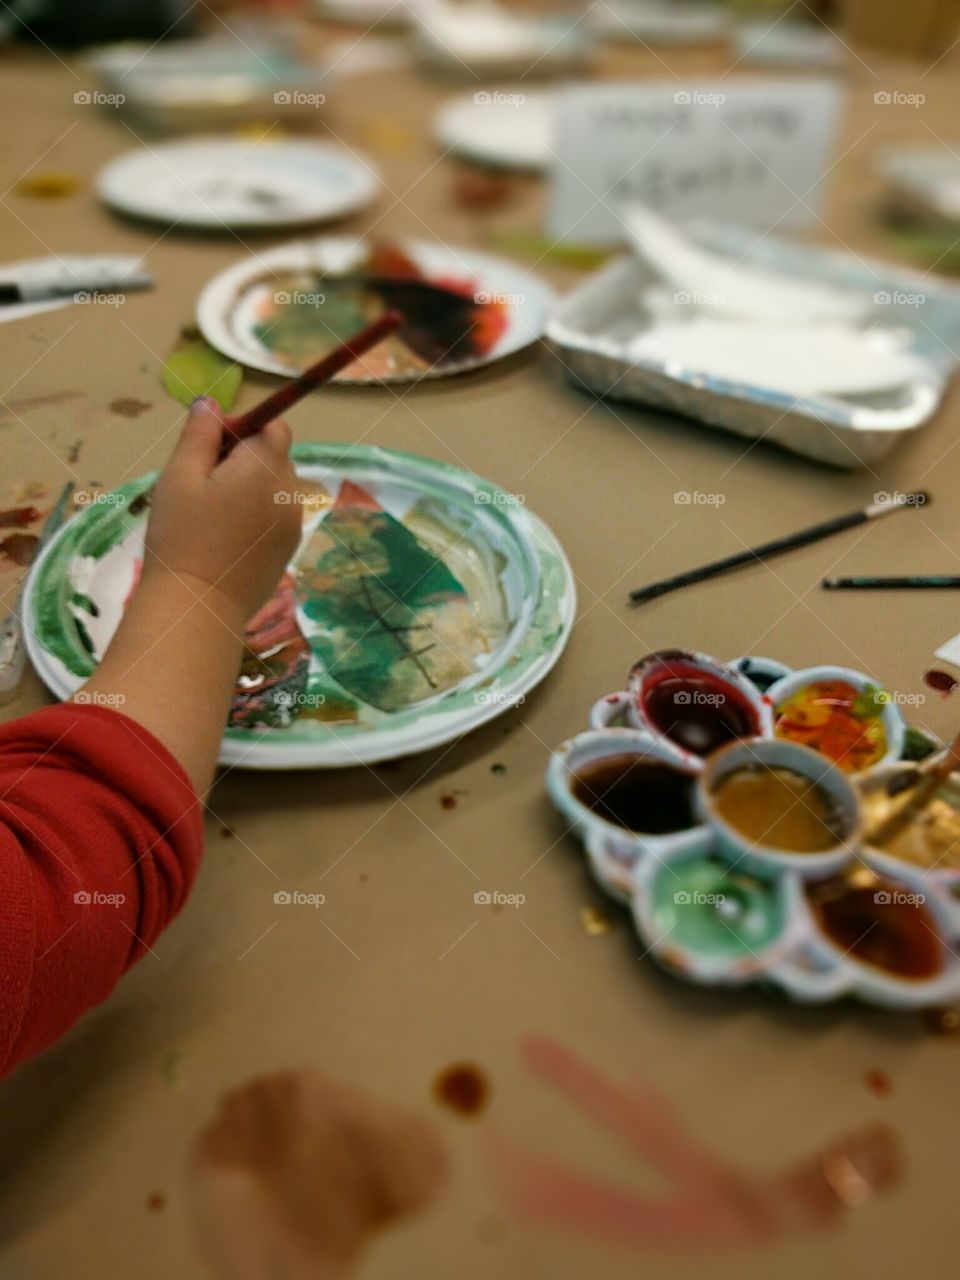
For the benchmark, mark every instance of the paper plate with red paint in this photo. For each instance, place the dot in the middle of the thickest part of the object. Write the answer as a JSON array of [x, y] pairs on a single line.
[[284, 309], [422, 601]]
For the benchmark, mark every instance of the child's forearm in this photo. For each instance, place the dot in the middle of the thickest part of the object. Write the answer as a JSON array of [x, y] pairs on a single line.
[[172, 666]]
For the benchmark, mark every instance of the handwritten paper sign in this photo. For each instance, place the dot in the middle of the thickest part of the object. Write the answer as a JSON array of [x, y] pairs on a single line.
[[752, 152]]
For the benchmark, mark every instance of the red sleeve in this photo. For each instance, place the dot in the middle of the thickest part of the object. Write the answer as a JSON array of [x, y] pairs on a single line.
[[101, 834]]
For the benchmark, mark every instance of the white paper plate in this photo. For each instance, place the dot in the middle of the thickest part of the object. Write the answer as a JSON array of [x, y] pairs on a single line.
[[227, 323], [508, 128], [231, 182], [512, 590]]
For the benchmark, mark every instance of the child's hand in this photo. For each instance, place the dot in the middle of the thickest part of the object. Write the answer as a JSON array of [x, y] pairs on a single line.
[[218, 525]]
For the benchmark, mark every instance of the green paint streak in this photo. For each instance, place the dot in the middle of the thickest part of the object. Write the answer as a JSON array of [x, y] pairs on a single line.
[[368, 592], [302, 330]]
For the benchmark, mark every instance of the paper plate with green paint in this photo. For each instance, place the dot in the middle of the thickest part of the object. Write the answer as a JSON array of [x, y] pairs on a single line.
[[422, 602]]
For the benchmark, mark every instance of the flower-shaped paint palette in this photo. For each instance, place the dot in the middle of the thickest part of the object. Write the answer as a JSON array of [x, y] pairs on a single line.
[[732, 807]]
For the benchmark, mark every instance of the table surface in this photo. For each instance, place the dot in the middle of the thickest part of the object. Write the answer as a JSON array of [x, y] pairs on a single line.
[[401, 973]]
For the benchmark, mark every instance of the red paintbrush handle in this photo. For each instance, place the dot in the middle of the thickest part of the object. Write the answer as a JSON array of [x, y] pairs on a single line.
[[248, 424]]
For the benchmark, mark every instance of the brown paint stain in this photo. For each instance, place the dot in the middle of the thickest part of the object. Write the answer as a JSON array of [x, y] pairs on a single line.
[[156, 1201], [481, 190], [942, 1022], [303, 1172], [940, 681], [227, 833], [18, 517], [36, 402], [878, 1082], [463, 1088], [49, 186], [17, 549], [448, 802], [73, 452], [129, 407]]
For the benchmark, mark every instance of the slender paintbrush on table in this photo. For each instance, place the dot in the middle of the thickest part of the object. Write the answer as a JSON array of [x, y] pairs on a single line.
[[767, 550], [278, 402], [934, 581]]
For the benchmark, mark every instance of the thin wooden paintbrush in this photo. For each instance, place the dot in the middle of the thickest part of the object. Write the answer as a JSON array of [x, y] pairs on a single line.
[[278, 402]]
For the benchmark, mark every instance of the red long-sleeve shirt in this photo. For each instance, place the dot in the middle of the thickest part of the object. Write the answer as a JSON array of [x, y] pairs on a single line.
[[101, 833]]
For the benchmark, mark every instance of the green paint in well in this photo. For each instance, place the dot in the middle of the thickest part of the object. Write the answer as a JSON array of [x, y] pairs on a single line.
[[703, 905]]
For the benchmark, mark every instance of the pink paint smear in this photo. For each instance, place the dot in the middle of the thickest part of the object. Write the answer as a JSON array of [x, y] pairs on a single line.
[[711, 1204]]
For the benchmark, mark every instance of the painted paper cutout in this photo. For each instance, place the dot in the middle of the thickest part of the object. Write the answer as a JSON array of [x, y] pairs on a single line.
[[394, 626]]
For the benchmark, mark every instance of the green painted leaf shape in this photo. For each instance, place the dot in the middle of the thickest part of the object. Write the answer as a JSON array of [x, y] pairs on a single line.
[[393, 624], [194, 368]]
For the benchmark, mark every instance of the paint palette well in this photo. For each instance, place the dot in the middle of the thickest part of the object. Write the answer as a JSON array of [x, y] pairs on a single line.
[[287, 307], [422, 602], [736, 810]]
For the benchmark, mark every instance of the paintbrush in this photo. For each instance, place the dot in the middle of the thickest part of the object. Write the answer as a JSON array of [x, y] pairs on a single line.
[[932, 777], [767, 550], [918, 582], [278, 402]]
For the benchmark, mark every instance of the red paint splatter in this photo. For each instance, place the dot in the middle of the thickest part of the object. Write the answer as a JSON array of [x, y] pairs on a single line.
[[878, 1082], [18, 548], [940, 681], [463, 1088], [18, 517]]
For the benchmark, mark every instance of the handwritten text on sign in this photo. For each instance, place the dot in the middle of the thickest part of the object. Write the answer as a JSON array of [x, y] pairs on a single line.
[[749, 152]]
